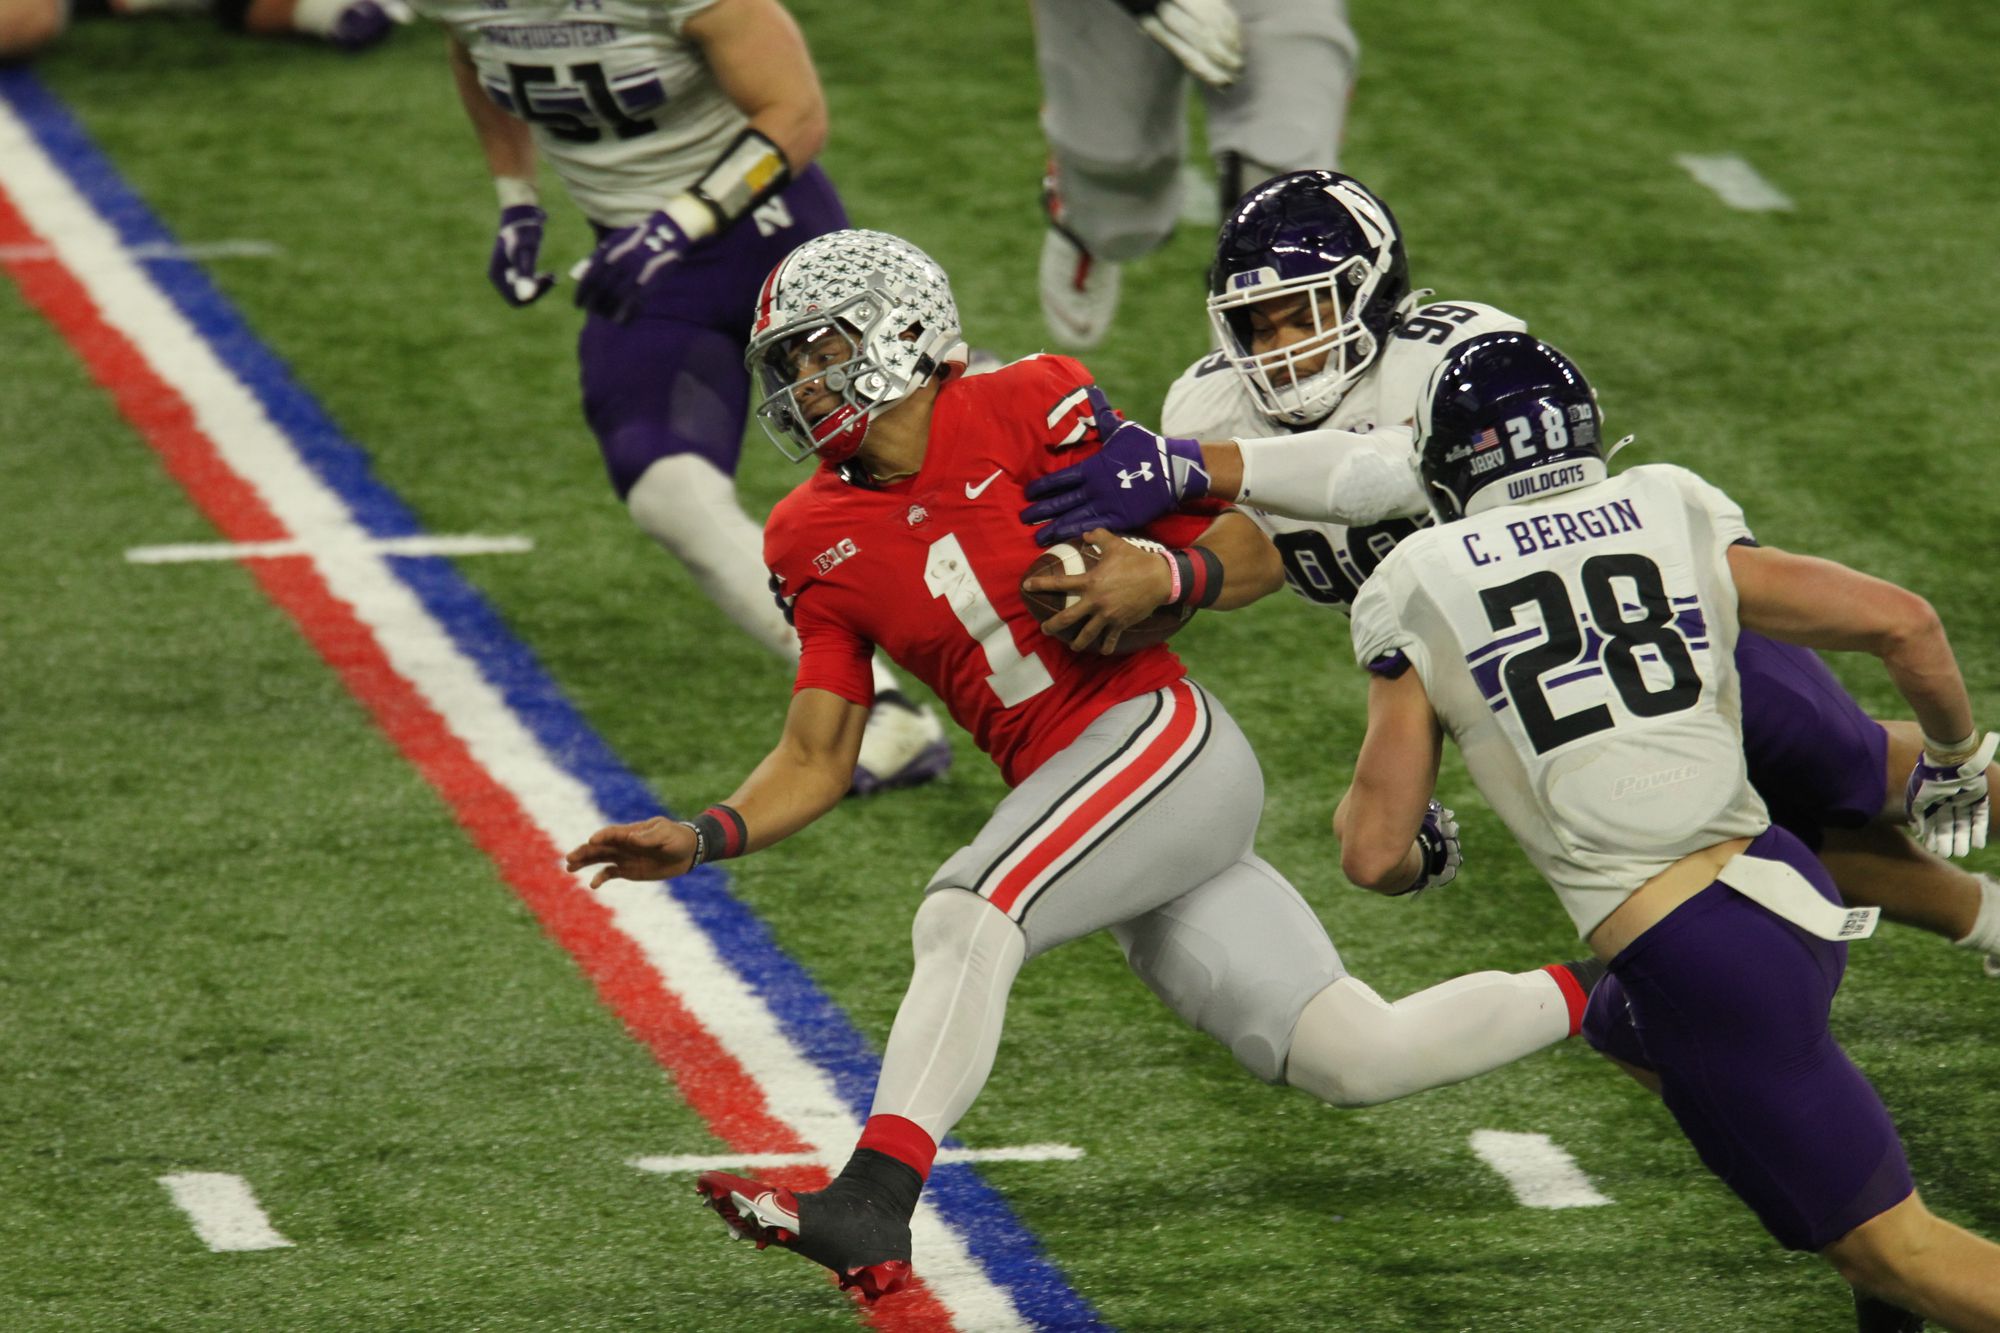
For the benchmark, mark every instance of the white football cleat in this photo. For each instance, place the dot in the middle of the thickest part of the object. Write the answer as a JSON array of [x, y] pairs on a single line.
[[1992, 965], [903, 746], [1079, 291]]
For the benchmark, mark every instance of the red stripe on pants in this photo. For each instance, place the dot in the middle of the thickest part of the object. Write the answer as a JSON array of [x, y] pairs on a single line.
[[1107, 798]]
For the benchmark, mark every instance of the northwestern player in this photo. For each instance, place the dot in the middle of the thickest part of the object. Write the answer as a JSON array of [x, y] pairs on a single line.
[[1135, 798], [1114, 109], [1321, 334], [685, 130], [1574, 635]]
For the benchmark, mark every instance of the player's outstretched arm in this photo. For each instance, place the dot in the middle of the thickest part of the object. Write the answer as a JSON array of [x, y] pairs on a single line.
[[1394, 838], [801, 779], [1824, 604], [1140, 475]]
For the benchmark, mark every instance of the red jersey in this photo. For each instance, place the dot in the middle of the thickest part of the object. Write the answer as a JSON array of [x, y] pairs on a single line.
[[929, 569]]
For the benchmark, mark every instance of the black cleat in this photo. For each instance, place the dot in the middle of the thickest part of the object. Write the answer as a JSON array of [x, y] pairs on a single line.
[[866, 1246]]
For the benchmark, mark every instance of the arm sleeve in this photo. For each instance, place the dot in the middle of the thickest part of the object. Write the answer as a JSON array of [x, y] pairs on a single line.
[[832, 657], [1334, 476]]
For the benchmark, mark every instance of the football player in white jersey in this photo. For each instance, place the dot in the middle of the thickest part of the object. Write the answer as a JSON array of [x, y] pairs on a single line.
[[1274, 75], [686, 131], [1321, 335], [1574, 634]]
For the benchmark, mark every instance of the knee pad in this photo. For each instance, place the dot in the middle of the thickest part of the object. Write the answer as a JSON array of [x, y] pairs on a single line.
[[1239, 958], [959, 928]]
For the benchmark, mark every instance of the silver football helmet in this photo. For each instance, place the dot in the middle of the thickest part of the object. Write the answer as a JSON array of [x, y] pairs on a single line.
[[847, 326]]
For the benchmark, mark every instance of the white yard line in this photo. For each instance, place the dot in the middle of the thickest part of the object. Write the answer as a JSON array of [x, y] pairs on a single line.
[[225, 1213], [467, 544], [156, 250], [797, 1091], [1541, 1174], [1735, 182], [764, 1161]]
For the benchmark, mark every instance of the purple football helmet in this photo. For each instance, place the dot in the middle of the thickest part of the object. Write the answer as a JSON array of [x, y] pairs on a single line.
[[1506, 407], [1324, 236]]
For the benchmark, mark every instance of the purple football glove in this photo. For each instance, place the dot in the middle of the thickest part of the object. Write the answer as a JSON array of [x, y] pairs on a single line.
[[1135, 478], [365, 23], [1437, 839], [1948, 804], [516, 247], [614, 280]]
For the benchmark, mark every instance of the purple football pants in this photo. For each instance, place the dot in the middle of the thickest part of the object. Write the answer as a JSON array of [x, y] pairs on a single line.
[[673, 380], [1815, 757], [1728, 1004]]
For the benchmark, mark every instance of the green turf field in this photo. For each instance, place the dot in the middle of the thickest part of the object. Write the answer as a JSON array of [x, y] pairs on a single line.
[[244, 936]]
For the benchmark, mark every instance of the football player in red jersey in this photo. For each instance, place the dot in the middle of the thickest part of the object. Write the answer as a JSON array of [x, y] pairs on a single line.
[[1135, 797]]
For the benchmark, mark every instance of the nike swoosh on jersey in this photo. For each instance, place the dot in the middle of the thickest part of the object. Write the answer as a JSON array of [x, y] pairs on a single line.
[[974, 492]]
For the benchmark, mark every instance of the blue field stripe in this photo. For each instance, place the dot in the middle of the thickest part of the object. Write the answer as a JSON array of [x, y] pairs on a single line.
[[1007, 1251]]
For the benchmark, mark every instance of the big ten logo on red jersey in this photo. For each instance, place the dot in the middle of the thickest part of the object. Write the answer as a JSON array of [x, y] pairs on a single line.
[[834, 554]]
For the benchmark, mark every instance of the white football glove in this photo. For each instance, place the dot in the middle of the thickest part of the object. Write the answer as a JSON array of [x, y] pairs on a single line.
[[1204, 35], [1437, 841], [1948, 804]]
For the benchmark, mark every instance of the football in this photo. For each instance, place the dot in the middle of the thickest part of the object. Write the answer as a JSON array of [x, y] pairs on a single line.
[[1079, 557]]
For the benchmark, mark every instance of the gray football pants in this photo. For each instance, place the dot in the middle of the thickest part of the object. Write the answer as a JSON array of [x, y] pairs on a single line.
[[1144, 826], [1114, 110]]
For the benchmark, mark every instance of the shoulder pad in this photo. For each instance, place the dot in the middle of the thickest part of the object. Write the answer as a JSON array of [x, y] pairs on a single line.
[[1421, 341], [1208, 402]]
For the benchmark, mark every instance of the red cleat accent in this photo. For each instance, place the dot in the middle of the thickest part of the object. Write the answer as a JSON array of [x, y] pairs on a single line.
[[769, 1215]]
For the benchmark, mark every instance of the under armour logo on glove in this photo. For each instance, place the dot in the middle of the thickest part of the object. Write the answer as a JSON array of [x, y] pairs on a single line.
[[1117, 487], [614, 279], [1948, 804]]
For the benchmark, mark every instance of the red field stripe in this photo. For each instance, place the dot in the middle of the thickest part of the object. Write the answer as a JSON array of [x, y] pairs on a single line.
[[708, 1077]]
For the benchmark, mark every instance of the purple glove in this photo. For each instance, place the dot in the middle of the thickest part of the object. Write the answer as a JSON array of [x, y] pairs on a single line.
[[628, 260], [1948, 804], [518, 245], [1437, 839], [1136, 477], [365, 23]]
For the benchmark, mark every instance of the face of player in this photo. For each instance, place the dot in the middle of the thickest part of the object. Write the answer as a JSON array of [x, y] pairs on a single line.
[[1285, 321], [811, 356]]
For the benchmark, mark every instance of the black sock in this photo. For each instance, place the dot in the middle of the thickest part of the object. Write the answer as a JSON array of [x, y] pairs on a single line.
[[882, 1181]]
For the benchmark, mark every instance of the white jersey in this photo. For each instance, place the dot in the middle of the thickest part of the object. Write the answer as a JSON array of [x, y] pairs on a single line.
[[622, 106], [1581, 651], [1325, 562]]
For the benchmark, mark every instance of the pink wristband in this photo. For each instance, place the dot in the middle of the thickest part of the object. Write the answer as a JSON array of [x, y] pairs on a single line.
[[1173, 573]]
